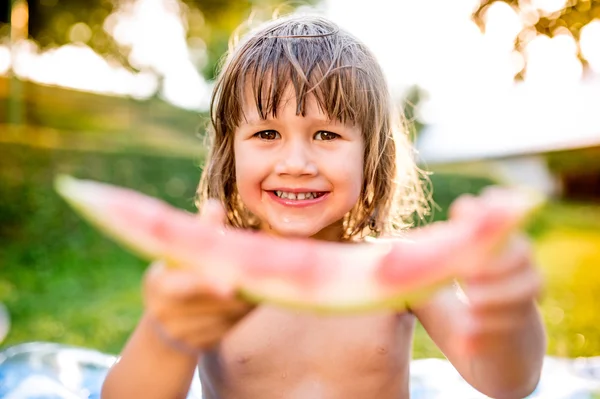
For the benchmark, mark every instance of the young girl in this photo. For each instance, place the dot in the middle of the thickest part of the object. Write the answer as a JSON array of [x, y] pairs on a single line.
[[306, 145]]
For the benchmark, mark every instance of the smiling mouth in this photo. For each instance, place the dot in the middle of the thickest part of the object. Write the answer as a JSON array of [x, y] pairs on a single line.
[[299, 196]]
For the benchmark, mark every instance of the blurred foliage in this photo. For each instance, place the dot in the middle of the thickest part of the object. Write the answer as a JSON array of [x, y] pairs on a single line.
[[51, 23], [213, 21], [65, 282], [446, 187], [575, 15], [210, 22], [57, 117]]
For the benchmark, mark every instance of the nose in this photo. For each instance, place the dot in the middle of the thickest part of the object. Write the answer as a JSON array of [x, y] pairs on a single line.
[[296, 160]]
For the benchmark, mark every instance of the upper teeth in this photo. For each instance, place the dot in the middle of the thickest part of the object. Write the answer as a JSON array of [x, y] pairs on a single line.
[[296, 196]]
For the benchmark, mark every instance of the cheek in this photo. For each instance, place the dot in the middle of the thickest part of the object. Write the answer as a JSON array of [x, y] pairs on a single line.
[[355, 170], [249, 173], [355, 181], [348, 176]]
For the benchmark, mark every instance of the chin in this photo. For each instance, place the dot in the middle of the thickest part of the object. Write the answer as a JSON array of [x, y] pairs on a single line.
[[294, 230]]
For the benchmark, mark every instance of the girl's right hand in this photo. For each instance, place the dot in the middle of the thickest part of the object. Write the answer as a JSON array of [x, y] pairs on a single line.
[[186, 311]]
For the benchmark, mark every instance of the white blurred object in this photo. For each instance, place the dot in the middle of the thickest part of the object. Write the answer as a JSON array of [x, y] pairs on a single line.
[[155, 31], [589, 42], [523, 121], [528, 171], [560, 379], [39, 386], [49, 370], [473, 109], [4, 322], [44, 370], [79, 67]]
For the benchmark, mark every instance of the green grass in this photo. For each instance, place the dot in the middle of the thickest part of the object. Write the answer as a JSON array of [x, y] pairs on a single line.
[[61, 280], [64, 282]]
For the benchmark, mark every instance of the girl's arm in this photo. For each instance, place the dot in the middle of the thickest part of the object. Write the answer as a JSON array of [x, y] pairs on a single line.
[[491, 330], [502, 358], [150, 368], [182, 320], [184, 316]]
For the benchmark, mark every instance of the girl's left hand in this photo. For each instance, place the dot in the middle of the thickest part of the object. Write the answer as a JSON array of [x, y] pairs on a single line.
[[501, 293]]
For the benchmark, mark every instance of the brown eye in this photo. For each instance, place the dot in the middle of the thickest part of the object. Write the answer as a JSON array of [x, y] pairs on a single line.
[[326, 136], [268, 135]]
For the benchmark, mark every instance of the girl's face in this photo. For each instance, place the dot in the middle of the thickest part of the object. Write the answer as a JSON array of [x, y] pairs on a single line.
[[298, 174]]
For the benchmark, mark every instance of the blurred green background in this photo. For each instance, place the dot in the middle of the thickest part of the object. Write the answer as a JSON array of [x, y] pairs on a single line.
[[64, 282]]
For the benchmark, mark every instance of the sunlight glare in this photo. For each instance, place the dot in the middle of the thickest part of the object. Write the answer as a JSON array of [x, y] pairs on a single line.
[[77, 66], [433, 44], [589, 43], [549, 6], [155, 32], [4, 60], [502, 25], [553, 61]]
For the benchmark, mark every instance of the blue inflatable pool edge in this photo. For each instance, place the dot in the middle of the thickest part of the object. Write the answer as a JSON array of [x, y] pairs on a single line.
[[45, 370]]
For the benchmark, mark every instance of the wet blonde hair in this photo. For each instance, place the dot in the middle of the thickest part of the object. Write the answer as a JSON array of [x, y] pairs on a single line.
[[317, 58]]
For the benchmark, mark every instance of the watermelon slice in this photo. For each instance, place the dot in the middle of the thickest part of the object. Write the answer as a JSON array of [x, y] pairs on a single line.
[[297, 273]]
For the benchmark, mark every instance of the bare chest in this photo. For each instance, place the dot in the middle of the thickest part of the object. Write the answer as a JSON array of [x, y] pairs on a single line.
[[278, 348]]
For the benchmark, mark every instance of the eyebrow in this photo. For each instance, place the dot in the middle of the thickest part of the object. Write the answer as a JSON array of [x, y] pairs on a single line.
[[262, 122], [254, 121]]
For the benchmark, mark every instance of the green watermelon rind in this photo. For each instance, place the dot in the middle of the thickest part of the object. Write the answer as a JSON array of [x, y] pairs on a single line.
[[66, 187], [69, 188], [397, 303]]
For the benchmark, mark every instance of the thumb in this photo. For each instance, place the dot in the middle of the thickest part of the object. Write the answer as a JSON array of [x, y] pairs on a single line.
[[213, 213]]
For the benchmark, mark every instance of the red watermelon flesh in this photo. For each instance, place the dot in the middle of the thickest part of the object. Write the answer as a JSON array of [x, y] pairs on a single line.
[[298, 273]]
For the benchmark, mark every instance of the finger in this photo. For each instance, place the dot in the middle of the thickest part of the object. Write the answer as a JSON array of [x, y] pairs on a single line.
[[502, 320], [435, 247], [191, 335], [505, 204], [236, 315], [516, 255], [213, 213], [206, 331], [169, 282], [211, 306], [469, 206], [477, 331], [485, 221], [179, 284], [512, 291]]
